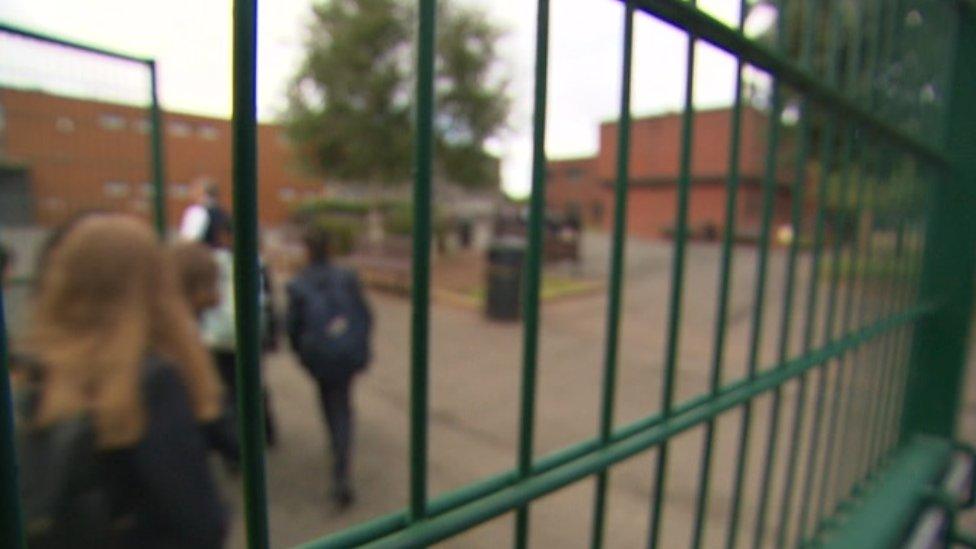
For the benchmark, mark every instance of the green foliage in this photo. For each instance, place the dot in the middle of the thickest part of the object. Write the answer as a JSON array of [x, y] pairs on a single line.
[[398, 220], [890, 191], [324, 206], [349, 106], [343, 232]]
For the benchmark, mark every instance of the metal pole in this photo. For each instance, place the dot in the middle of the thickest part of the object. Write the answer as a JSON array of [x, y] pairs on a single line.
[[20, 31], [939, 347], [533, 268], [419, 332], [11, 533], [156, 157], [246, 283]]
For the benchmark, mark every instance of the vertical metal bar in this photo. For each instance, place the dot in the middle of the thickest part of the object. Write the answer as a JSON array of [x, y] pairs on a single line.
[[841, 380], [911, 267], [677, 285], [616, 272], [874, 384], [724, 290], [246, 284], [11, 533], [853, 63], [156, 158], [757, 313], [827, 147], [885, 18], [755, 336], [420, 286], [899, 279], [849, 425], [911, 295], [784, 338], [786, 498], [940, 340], [533, 273], [886, 369], [797, 197], [861, 367], [902, 297], [816, 449]]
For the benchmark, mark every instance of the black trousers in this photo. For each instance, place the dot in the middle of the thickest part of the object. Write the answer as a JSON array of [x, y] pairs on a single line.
[[335, 398], [227, 367]]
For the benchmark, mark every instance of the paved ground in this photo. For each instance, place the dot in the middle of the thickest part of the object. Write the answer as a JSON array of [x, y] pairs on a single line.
[[475, 373], [475, 369]]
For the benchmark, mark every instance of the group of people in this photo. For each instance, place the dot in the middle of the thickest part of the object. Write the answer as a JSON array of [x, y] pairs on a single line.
[[123, 382]]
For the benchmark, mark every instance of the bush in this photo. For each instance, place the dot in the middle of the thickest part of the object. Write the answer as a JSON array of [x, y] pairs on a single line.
[[398, 220], [343, 233], [330, 206]]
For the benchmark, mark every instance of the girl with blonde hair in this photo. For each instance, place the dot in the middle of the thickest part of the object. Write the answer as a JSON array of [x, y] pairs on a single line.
[[113, 338]]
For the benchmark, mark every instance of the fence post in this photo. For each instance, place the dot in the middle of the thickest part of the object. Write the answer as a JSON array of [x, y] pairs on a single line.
[[11, 533], [246, 278], [156, 153], [941, 338]]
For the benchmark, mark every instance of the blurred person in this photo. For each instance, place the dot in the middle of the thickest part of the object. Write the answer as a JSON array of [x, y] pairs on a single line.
[[6, 264], [205, 220], [115, 388], [220, 331], [198, 274], [53, 239], [329, 325]]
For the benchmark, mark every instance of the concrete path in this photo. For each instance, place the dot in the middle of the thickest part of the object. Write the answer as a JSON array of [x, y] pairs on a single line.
[[475, 380]]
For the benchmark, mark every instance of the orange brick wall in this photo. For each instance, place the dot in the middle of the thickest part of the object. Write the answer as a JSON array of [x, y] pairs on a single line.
[[654, 169], [571, 184], [655, 145], [83, 155]]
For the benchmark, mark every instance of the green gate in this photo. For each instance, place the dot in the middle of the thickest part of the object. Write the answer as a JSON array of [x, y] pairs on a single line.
[[881, 168]]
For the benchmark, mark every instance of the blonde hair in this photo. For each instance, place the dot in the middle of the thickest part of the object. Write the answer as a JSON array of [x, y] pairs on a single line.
[[108, 299]]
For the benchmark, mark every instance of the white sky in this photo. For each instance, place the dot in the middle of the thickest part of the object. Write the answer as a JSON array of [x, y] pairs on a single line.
[[191, 41]]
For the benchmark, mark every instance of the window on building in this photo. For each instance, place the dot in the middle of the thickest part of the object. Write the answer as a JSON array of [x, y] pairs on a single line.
[[180, 191], [596, 211], [112, 122], [142, 125], [282, 138], [180, 129], [287, 194], [54, 203], [115, 189], [207, 132], [64, 124]]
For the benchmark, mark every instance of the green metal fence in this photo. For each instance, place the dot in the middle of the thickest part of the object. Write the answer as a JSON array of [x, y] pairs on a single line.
[[882, 164]]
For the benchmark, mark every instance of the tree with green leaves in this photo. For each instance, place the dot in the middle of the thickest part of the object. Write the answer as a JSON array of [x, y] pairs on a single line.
[[350, 105]]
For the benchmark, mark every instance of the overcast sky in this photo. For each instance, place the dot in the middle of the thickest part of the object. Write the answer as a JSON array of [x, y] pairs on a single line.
[[191, 41]]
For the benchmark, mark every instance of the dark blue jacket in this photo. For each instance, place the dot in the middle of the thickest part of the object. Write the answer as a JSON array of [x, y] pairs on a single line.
[[312, 279]]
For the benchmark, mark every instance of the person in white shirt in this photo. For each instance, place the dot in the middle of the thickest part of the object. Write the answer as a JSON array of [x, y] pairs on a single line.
[[204, 221]]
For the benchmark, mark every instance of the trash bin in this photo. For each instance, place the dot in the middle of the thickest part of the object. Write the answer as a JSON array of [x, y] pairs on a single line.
[[503, 297]]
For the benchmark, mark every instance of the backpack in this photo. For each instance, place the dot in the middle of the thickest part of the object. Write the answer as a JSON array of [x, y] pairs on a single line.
[[64, 501], [334, 340]]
